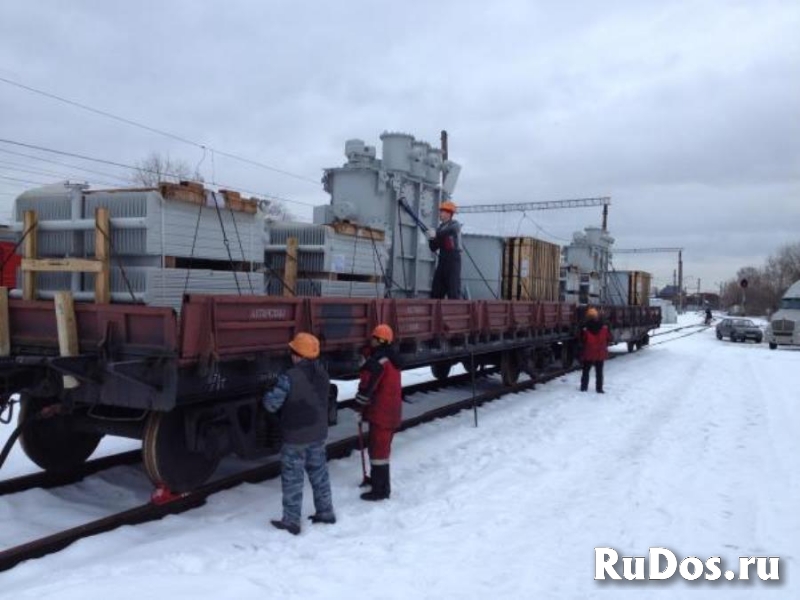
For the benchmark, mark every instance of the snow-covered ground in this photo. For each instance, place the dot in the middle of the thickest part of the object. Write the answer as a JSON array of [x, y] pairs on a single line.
[[694, 447]]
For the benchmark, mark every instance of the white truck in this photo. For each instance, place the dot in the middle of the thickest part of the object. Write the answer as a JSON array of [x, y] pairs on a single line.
[[784, 326]]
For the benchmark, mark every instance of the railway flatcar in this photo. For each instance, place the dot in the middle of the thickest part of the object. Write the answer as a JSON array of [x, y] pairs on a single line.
[[187, 378], [190, 387]]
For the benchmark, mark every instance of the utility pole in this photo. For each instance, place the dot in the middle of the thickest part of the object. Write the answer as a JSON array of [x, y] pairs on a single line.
[[680, 281]]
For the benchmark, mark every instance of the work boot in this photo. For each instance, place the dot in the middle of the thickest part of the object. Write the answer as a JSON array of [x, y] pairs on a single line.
[[381, 487], [290, 527], [327, 519]]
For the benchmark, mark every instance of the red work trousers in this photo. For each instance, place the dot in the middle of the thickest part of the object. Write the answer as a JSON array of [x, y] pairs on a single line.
[[380, 444]]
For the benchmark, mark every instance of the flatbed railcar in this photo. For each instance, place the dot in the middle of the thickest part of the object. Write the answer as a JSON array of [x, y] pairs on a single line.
[[190, 387]]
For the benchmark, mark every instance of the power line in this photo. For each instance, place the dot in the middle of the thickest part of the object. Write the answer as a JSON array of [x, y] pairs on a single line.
[[547, 233], [11, 166], [62, 164], [26, 180], [133, 168], [156, 130]]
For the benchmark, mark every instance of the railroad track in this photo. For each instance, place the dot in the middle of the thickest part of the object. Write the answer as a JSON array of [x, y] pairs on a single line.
[[681, 328], [151, 511], [697, 329], [50, 480]]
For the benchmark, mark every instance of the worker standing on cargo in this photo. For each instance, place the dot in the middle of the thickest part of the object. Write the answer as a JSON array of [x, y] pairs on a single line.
[[379, 399], [595, 339], [301, 399], [447, 240]]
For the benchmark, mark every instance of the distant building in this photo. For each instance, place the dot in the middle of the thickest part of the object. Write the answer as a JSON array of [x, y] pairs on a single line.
[[668, 292]]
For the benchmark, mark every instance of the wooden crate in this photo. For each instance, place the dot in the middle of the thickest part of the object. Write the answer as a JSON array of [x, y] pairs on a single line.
[[531, 269], [639, 288], [235, 202], [194, 193], [345, 228], [185, 191]]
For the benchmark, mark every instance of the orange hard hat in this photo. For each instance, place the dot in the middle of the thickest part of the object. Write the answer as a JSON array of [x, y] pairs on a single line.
[[384, 333], [591, 313], [448, 206], [305, 345]]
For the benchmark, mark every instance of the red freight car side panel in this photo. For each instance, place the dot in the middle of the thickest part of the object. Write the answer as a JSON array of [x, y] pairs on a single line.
[[10, 263]]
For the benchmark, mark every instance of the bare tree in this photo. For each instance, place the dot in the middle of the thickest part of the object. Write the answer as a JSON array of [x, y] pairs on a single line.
[[157, 168], [275, 210], [783, 267], [766, 285]]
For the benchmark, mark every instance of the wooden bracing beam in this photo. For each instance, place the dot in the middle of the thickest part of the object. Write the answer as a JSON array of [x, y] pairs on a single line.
[[99, 265]]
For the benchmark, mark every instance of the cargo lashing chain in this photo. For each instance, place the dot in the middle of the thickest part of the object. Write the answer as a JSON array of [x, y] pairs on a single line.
[[7, 402]]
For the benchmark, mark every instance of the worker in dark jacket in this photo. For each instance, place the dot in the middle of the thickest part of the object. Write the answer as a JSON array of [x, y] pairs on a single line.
[[380, 400], [447, 240], [301, 396], [595, 339]]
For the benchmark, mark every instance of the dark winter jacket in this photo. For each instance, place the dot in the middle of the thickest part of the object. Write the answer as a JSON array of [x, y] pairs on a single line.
[[448, 238], [447, 276], [379, 390], [595, 339], [301, 396]]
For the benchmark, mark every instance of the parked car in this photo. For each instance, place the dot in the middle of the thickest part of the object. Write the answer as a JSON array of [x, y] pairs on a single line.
[[739, 330]]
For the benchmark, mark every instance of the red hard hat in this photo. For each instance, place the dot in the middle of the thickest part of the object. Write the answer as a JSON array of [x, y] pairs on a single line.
[[448, 206], [384, 333]]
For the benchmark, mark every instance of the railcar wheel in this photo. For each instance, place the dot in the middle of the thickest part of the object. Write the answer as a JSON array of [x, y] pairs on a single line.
[[167, 458], [52, 442], [509, 368], [441, 370]]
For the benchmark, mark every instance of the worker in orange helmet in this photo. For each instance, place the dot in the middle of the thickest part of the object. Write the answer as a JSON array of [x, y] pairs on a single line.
[[300, 398], [379, 400], [447, 240], [595, 339]]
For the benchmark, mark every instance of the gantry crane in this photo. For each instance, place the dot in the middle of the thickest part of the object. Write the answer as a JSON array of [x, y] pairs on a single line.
[[603, 201]]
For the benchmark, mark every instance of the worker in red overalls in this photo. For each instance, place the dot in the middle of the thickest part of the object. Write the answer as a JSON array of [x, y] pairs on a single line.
[[380, 398], [595, 339]]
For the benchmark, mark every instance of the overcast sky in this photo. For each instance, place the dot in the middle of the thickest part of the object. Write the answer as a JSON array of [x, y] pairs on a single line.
[[686, 113]]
